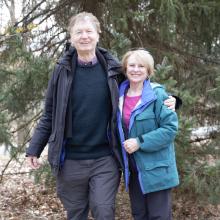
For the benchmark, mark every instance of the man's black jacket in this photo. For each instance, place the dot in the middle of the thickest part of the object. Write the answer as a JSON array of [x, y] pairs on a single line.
[[54, 122]]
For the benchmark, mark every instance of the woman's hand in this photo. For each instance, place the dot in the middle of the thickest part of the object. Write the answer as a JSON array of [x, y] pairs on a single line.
[[131, 145]]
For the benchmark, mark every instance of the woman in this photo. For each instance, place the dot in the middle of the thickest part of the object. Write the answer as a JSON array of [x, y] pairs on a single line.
[[147, 130]]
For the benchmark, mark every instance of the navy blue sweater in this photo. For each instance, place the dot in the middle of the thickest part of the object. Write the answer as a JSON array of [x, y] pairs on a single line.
[[91, 112]]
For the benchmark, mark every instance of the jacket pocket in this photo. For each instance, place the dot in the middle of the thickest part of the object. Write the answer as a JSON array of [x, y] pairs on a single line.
[[157, 173], [151, 166], [158, 176], [145, 122], [51, 145]]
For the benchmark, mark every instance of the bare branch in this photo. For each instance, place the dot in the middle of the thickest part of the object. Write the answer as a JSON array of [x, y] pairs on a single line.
[[25, 18], [35, 118], [17, 173], [48, 43]]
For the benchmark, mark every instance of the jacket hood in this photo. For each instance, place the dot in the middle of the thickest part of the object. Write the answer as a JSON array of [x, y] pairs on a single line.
[[66, 59]]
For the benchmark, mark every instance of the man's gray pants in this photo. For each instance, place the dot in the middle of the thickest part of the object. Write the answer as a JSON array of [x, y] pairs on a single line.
[[84, 184]]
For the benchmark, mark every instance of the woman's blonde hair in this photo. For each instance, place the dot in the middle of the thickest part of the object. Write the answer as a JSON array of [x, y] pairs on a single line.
[[84, 16], [143, 56]]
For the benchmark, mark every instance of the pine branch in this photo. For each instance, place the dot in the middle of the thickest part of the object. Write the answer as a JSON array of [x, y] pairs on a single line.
[[137, 35], [35, 118], [19, 150]]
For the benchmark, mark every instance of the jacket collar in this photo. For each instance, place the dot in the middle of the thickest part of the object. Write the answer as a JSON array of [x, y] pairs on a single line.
[[147, 96], [107, 60], [66, 59]]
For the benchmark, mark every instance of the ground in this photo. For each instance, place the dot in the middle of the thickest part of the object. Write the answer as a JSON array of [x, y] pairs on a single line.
[[22, 199]]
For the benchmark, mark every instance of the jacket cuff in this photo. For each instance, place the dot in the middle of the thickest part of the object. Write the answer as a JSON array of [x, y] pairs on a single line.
[[140, 139], [31, 153]]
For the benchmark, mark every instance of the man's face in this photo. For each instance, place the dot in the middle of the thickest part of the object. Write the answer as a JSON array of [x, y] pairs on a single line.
[[84, 36]]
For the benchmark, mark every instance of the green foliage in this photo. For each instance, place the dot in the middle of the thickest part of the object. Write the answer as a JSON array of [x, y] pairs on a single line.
[[4, 133], [202, 180], [163, 76], [43, 175], [23, 79]]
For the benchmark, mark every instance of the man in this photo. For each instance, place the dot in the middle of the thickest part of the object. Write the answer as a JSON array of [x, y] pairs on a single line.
[[79, 123]]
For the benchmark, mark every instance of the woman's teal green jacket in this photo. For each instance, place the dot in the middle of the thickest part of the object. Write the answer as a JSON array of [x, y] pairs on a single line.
[[155, 127]]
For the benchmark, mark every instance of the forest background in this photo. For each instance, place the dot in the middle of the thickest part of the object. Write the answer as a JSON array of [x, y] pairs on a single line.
[[184, 38]]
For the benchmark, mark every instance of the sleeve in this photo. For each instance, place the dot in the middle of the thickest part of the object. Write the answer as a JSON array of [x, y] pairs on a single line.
[[43, 130], [167, 122], [179, 102]]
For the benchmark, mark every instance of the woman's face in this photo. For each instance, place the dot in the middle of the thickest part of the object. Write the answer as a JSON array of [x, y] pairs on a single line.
[[84, 36], [136, 71]]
